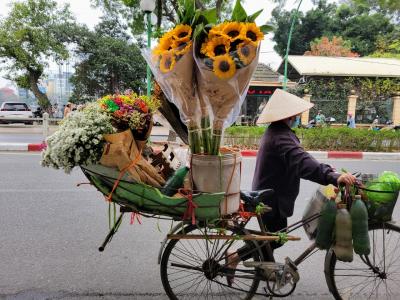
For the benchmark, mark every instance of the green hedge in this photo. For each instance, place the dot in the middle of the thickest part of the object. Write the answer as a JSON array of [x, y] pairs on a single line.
[[344, 139]]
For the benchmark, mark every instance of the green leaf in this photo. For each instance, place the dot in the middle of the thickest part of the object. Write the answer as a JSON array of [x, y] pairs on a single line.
[[189, 11], [198, 30], [239, 14], [254, 16], [266, 28], [210, 15]]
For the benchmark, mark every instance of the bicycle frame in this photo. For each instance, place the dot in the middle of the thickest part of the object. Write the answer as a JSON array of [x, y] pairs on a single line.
[[262, 231]]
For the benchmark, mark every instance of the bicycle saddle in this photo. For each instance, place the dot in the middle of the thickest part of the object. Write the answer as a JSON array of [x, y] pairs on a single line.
[[252, 198]]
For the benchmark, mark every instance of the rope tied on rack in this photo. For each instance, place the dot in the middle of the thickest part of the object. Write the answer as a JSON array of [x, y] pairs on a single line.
[[190, 212], [122, 173], [137, 216], [282, 238], [245, 214]]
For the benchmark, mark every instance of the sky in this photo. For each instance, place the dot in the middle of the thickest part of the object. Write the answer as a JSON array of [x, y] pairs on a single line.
[[88, 15]]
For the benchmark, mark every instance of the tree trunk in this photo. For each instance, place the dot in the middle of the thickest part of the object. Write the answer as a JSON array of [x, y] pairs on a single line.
[[159, 13], [43, 101]]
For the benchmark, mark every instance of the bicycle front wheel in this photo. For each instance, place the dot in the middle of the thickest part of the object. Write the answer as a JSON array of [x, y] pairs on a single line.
[[375, 276], [197, 268]]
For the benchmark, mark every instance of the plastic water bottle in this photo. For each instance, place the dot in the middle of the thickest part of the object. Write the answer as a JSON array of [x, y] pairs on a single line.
[[344, 246], [359, 219], [326, 224]]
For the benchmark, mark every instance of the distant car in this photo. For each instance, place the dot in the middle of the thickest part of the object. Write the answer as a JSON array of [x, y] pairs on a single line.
[[15, 111]]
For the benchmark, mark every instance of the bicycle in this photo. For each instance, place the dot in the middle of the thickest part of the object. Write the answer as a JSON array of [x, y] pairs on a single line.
[[193, 261]]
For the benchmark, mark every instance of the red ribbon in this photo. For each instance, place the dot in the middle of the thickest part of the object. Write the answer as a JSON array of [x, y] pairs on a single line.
[[190, 210], [245, 214], [137, 216]]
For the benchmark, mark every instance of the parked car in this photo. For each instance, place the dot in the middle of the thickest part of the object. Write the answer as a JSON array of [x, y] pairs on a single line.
[[15, 111]]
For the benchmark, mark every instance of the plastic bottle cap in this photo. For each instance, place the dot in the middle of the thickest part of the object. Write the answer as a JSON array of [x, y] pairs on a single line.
[[358, 197], [341, 205]]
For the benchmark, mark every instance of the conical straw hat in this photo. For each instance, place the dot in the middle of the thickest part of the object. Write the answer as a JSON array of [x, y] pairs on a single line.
[[282, 105]]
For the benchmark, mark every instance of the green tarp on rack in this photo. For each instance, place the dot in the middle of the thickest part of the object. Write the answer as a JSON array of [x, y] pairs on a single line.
[[148, 199]]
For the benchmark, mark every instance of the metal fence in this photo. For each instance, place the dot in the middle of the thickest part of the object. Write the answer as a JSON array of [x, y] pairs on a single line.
[[44, 122], [330, 109], [366, 110]]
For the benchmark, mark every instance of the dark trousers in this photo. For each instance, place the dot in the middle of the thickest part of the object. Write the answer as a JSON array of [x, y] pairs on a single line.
[[273, 222]]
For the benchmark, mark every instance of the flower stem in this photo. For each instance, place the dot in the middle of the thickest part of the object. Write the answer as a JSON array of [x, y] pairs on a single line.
[[194, 140], [216, 141], [206, 134]]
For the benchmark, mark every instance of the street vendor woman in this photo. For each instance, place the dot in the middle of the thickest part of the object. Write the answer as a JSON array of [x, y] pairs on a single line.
[[282, 162]]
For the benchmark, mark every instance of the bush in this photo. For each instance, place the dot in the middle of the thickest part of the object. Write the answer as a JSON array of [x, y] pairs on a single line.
[[342, 139]]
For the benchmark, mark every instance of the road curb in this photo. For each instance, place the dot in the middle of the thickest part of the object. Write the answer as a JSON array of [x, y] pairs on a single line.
[[25, 147], [36, 147], [342, 155]]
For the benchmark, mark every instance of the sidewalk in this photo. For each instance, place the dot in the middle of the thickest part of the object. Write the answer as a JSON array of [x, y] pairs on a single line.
[[391, 156]]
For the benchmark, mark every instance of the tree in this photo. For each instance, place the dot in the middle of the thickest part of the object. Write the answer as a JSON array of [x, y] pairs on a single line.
[[388, 46], [34, 32], [331, 47], [359, 25], [109, 62], [390, 6], [308, 27]]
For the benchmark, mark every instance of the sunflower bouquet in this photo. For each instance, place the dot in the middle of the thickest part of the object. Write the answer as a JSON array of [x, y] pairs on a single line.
[[172, 64], [226, 57]]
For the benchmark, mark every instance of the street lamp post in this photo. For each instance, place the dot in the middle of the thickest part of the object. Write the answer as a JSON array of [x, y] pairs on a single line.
[[294, 18], [147, 6]]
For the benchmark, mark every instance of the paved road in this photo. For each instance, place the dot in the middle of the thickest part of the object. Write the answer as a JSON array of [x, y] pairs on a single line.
[[20, 133], [51, 229]]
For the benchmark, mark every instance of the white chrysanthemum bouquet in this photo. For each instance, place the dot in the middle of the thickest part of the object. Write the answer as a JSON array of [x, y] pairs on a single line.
[[79, 139]]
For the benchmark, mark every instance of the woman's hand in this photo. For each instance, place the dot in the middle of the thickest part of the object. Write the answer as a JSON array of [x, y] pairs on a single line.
[[347, 179]]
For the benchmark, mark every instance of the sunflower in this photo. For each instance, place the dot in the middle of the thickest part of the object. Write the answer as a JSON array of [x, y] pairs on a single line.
[[216, 31], [246, 52], [232, 29], [181, 48], [167, 62], [252, 32], [182, 33], [164, 44], [224, 67], [216, 46]]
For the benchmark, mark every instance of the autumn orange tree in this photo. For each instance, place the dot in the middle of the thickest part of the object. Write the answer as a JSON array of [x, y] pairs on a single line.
[[331, 47]]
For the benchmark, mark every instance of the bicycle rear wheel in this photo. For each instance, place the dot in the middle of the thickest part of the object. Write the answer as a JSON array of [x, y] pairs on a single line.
[[197, 269], [375, 276]]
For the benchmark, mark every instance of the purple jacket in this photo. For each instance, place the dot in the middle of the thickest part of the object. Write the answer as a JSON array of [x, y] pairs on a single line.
[[281, 162]]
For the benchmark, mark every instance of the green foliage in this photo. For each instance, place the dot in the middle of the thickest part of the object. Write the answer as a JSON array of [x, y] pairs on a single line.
[[361, 26], [168, 12], [343, 139], [34, 32], [330, 95], [391, 6], [388, 46], [110, 62], [239, 14]]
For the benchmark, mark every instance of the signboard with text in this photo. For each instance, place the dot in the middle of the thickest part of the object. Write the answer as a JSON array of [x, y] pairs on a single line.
[[261, 91]]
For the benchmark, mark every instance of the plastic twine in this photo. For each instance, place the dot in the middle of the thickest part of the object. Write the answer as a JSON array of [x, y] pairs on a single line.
[[190, 209], [138, 217], [122, 173], [245, 214], [282, 237]]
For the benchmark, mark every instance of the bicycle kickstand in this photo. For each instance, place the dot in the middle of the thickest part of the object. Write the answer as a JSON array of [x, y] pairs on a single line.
[[113, 231]]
